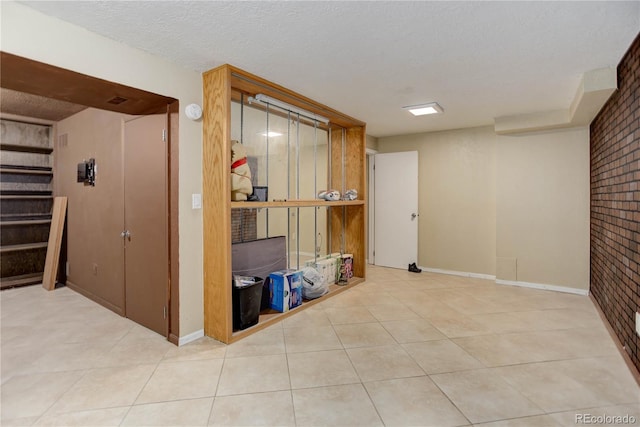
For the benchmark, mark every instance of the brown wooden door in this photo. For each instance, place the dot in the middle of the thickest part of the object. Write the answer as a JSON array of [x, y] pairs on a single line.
[[145, 215]]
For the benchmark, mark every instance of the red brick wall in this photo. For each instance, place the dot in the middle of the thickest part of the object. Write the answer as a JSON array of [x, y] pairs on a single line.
[[615, 204]]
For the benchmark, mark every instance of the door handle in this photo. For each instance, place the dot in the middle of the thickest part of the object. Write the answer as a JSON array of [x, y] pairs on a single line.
[[413, 216], [126, 234]]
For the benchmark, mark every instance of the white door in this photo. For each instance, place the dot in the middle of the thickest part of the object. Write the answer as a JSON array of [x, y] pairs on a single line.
[[396, 209]]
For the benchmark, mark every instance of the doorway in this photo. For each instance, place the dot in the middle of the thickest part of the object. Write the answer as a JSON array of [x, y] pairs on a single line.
[[55, 83]]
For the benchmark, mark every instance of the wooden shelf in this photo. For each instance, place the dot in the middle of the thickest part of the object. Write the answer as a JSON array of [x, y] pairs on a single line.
[[346, 145], [269, 318], [26, 148], [294, 204], [10, 223], [25, 171], [24, 279], [25, 197], [23, 247]]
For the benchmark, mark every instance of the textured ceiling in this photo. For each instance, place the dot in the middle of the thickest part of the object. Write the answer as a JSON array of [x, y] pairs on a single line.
[[479, 60], [24, 104]]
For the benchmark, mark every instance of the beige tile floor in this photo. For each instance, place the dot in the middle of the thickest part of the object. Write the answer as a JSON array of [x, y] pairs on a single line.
[[400, 349]]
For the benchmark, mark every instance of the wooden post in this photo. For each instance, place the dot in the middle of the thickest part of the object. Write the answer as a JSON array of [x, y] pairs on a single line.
[[55, 240]]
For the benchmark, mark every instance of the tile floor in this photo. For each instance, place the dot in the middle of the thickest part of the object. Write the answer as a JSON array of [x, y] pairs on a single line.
[[400, 349]]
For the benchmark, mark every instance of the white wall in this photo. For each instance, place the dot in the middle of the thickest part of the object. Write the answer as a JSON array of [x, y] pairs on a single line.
[[30, 34]]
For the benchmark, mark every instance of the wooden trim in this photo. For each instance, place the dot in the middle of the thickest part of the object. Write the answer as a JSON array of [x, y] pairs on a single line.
[[252, 85], [66, 85], [216, 195], [269, 319], [55, 239], [346, 218], [295, 204]]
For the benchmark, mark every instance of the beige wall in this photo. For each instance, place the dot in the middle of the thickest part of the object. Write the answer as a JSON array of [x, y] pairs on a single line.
[[372, 142], [30, 34], [542, 184], [512, 206], [95, 215], [456, 173]]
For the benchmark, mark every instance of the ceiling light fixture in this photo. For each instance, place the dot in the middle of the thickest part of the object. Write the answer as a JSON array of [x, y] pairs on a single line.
[[264, 99], [423, 109]]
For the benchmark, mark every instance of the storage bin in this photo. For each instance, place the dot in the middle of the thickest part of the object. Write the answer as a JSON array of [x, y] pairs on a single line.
[[247, 296]]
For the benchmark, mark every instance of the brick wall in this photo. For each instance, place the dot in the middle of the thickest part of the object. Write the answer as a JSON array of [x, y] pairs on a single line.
[[615, 204]]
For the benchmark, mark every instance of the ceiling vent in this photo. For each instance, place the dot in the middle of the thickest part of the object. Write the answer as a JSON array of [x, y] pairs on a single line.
[[117, 100]]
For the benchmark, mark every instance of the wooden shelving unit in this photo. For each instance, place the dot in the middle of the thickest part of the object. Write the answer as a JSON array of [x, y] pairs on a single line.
[[295, 204], [347, 219]]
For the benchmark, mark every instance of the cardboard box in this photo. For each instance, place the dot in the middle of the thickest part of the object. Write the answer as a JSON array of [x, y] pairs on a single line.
[[346, 269], [327, 269], [295, 286], [285, 290]]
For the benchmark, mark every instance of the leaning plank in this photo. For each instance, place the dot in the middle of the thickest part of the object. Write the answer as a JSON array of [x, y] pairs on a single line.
[[55, 240]]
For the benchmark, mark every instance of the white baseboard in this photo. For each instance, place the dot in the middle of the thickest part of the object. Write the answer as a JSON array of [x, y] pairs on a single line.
[[459, 273], [191, 337], [555, 288]]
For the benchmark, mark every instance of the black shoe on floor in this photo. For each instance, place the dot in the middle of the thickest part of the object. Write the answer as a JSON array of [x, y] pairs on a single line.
[[414, 268]]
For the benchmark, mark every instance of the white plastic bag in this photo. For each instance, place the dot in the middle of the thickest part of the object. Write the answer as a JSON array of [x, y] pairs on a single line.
[[313, 285]]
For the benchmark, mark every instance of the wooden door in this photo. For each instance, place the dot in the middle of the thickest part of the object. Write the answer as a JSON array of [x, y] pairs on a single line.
[[145, 213], [396, 209]]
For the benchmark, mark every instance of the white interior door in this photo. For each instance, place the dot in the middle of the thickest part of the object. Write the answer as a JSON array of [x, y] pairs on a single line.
[[396, 209]]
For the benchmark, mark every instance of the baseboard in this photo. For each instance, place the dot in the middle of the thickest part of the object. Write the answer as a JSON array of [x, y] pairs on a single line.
[[191, 337], [459, 273], [93, 297], [543, 286], [583, 292]]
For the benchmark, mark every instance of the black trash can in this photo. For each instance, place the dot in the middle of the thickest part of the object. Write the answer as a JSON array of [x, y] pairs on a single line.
[[247, 298]]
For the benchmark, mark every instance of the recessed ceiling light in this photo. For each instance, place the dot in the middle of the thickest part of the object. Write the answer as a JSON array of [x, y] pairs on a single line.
[[422, 109], [270, 134]]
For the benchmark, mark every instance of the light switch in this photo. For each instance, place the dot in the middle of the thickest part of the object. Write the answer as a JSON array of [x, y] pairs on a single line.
[[196, 201]]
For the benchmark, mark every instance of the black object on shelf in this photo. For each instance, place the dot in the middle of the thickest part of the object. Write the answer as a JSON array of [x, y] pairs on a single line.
[[247, 298]]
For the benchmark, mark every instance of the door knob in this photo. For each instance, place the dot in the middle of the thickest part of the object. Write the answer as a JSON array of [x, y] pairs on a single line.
[[413, 216], [126, 234]]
